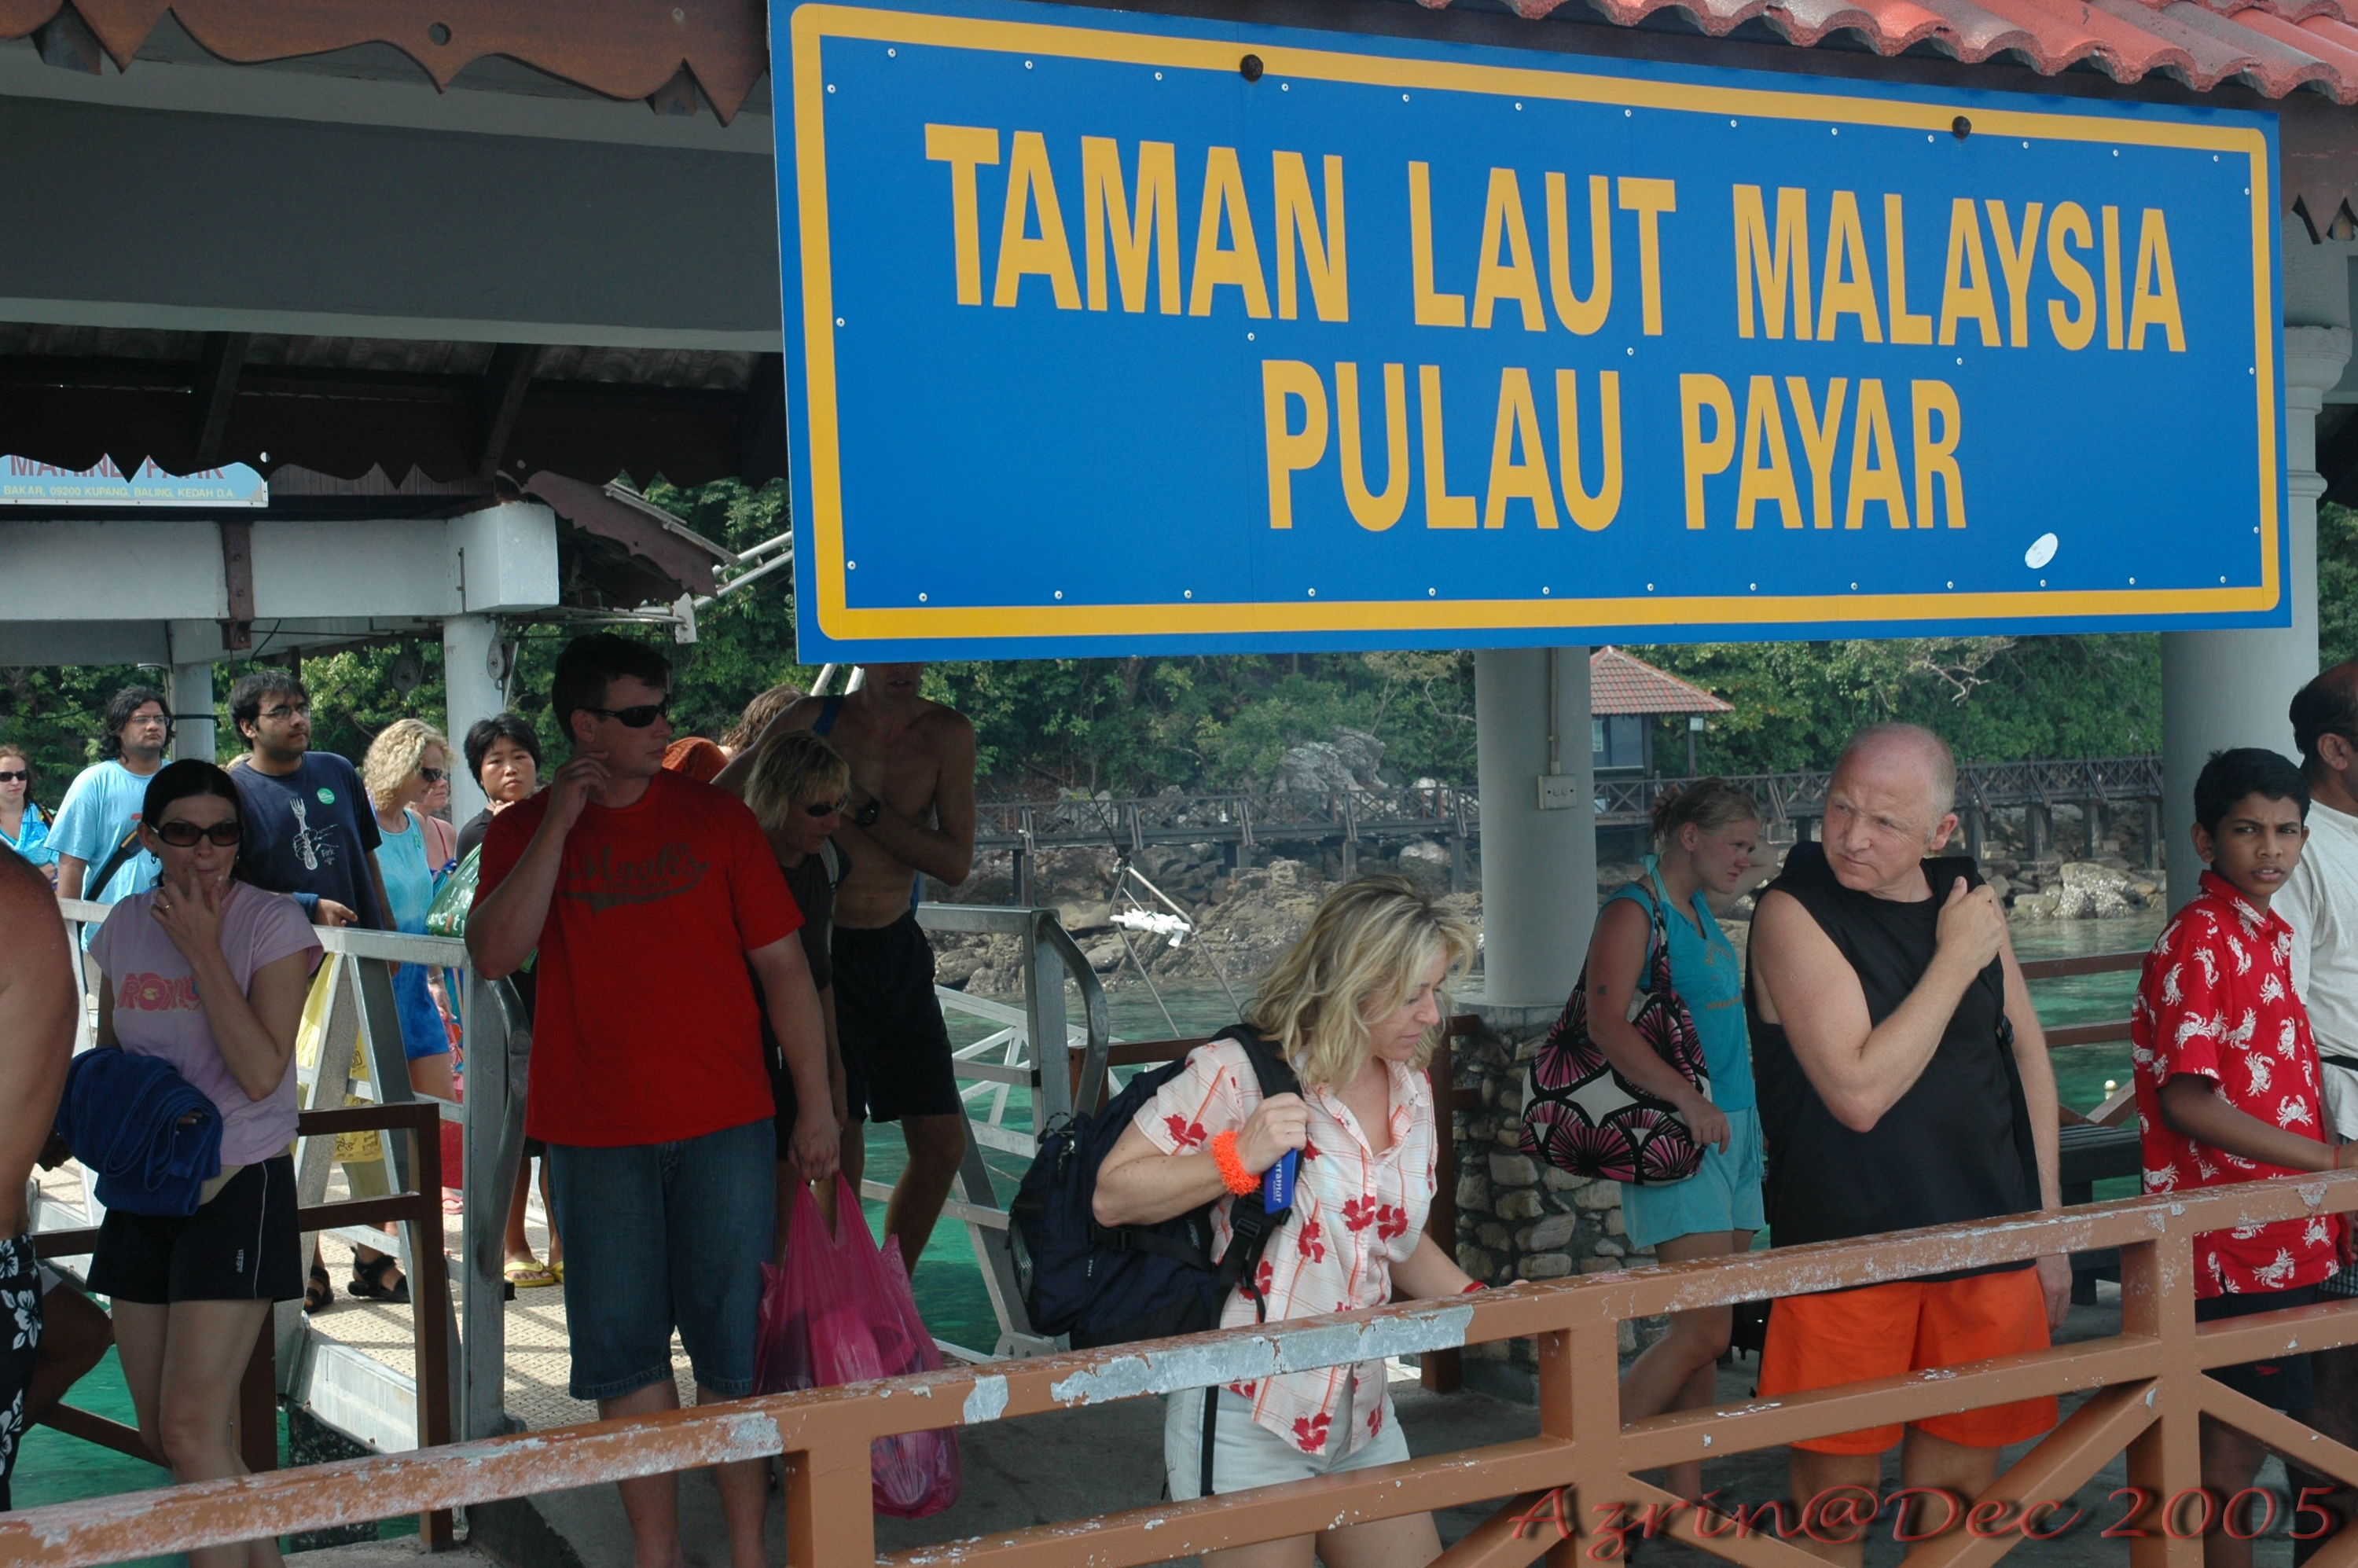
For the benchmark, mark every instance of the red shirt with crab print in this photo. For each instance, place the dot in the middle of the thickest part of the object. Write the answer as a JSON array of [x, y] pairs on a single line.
[[1356, 1214], [2216, 1001]]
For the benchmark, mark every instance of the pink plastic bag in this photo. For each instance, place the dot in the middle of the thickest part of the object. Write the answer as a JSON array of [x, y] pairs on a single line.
[[841, 1312]]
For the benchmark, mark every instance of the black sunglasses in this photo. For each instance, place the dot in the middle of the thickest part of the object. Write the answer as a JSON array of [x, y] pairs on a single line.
[[637, 718], [432, 776], [12, 777], [184, 835], [815, 807]]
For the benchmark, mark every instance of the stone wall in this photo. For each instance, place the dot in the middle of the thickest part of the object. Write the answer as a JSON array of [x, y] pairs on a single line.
[[1518, 1216]]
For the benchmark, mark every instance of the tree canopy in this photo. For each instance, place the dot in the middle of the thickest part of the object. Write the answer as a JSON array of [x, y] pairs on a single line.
[[1141, 724]]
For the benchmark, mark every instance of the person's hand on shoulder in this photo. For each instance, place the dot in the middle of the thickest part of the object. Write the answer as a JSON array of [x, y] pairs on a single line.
[[1970, 925], [569, 790]]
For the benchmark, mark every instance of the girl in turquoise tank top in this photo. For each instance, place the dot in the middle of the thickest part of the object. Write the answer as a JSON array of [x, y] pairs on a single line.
[[1706, 838]]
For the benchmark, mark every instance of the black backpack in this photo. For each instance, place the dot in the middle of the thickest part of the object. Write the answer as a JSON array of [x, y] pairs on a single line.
[[1110, 1285]]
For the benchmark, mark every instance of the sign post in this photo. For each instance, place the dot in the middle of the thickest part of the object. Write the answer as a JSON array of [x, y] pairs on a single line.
[[1110, 334]]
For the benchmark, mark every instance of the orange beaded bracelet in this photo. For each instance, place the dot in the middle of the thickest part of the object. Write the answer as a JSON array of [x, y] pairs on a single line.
[[1233, 1174]]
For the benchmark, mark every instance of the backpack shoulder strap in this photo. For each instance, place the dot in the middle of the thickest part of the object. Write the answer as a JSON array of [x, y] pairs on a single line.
[[829, 709], [1274, 1073]]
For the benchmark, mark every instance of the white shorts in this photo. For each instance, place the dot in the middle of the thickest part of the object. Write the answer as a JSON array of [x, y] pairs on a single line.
[[1247, 1455]]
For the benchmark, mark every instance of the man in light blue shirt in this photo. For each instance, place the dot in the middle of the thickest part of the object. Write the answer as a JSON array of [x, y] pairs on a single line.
[[103, 804]]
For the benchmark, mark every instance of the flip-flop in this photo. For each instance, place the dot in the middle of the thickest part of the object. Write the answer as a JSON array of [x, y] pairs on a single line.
[[529, 1274], [318, 1290]]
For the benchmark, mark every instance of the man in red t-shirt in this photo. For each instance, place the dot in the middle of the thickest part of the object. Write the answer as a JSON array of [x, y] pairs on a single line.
[[655, 906], [2227, 1086]]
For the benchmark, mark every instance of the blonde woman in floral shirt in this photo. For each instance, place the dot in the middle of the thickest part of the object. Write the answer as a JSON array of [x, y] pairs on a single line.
[[1355, 1009]]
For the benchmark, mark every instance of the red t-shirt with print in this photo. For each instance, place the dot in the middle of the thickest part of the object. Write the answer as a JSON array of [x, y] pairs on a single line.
[[2216, 1001], [648, 1028]]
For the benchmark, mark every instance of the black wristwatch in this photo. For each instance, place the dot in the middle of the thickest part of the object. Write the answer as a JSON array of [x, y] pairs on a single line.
[[867, 815]]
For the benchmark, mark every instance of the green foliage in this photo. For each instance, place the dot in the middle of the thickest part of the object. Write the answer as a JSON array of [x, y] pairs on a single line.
[[1993, 699], [53, 712], [2337, 584], [1137, 725]]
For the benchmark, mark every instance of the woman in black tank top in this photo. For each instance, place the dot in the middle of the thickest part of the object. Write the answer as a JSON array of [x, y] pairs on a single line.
[[795, 788]]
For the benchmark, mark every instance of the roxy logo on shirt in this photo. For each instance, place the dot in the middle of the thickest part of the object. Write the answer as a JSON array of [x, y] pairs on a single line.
[[157, 993], [602, 880]]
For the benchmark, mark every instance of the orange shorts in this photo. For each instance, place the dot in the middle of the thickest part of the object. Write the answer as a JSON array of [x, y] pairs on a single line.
[[1887, 1331]]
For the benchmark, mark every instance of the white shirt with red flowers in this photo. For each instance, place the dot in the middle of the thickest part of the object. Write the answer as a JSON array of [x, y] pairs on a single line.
[[1356, 1214], [2216, 1001]]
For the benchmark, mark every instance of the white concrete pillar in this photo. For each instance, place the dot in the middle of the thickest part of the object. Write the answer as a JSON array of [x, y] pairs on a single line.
[[471, 651], [192, 713], [2221, 689], [1538, 867]]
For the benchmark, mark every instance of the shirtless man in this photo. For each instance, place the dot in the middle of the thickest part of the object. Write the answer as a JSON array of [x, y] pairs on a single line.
[[38, 1004], [909, 811]]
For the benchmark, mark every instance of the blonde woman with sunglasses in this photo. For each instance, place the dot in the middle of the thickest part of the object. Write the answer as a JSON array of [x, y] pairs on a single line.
[[1355, 1009]]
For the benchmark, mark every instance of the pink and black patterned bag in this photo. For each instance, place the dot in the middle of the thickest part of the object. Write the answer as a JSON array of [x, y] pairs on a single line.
[[1581, 1115]]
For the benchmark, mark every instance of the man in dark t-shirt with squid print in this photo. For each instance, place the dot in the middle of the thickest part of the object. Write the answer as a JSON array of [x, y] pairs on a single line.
[[665, 935]]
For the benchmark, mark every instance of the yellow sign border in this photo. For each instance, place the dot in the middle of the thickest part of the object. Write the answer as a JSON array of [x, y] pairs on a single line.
[[813, 24]]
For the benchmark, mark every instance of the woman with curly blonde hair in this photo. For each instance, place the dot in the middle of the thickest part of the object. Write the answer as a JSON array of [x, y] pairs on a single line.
[[1355, 1008]]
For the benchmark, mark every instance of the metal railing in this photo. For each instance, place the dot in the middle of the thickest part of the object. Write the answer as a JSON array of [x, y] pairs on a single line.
[[419, 1208], [2147, 1396], [352, 1392]]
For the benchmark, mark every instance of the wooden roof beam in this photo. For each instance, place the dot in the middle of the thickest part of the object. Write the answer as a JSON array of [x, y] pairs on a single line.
[[505, 381], [216, 388]]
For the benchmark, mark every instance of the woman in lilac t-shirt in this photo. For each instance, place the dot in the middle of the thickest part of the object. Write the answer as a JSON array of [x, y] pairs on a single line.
[[208, 974]]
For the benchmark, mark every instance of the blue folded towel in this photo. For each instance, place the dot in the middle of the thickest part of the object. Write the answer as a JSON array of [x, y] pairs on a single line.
[[151, 1138]]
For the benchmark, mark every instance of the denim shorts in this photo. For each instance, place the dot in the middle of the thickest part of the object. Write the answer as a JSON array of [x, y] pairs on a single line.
[[1722, 1194], [665, 1236]]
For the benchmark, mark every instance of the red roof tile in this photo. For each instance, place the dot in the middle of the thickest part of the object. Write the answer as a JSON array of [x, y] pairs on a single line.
[[2275, 46], [1619, 683]]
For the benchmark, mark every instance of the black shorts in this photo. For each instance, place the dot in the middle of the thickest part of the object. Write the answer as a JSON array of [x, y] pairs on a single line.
[[896, 1049], [20, 1345], [2282, 1382], [243, 1245]]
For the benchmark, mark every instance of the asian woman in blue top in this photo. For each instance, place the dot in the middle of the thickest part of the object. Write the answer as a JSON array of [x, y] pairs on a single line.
[[1706, 838]]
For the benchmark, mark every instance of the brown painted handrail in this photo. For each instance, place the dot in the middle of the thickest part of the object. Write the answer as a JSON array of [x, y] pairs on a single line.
[[2151, 1396]]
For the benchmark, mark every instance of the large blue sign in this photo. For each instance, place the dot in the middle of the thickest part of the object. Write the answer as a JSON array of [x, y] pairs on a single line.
[[1109, 333]]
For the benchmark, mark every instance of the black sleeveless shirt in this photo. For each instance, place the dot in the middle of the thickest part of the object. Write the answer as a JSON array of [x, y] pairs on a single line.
[[1956, 1146]]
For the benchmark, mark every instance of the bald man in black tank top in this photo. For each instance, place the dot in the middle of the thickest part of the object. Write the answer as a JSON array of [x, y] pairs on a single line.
[[1903, 1082]]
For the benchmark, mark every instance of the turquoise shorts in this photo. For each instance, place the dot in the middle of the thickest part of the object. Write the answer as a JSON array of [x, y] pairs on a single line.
[[1723, 1194]]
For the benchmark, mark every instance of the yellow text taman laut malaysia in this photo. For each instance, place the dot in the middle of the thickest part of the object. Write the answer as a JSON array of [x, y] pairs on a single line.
[[1827, 267]]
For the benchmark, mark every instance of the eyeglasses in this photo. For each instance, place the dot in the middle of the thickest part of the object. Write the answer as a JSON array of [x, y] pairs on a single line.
[[288, 711], [637, 718], [163, 719], [184, 835], [433, 775], [16, 776], [815, 807]]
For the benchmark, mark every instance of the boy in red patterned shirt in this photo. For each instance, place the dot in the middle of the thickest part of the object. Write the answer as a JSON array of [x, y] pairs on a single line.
[[2227, 1085]]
